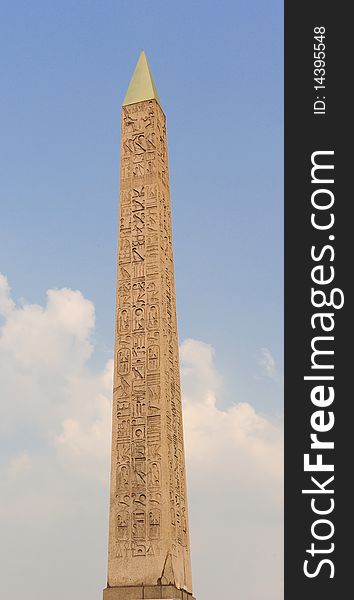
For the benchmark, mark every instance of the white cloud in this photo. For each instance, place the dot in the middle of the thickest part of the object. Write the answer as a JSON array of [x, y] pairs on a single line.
[[6, 304], [55, 429], [267, 364], [235, 482], [55, 423], [85, 437]]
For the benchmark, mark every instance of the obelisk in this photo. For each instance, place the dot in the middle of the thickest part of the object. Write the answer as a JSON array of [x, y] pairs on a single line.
[[149, 555]]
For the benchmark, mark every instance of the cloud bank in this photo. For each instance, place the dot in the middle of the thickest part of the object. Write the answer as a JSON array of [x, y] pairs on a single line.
[[55, 429]]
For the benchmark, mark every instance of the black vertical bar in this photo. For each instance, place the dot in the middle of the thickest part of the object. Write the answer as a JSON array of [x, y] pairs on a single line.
[[309, 128]]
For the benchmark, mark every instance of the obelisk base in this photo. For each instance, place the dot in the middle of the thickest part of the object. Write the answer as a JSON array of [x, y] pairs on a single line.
[[146, 592]]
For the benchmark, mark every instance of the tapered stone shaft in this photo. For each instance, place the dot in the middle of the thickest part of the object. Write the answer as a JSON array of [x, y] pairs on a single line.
[[149, 555]]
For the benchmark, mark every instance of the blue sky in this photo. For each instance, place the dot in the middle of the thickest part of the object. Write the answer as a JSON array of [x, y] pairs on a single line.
[[65, 67]]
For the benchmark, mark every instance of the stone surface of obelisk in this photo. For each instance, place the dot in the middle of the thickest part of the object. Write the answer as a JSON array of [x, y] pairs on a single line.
[[149, 555]]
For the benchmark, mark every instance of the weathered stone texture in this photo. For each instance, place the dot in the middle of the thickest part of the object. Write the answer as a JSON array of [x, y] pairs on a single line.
[[148, 529]]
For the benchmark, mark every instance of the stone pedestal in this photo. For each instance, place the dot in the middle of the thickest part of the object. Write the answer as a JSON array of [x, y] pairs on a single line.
[[150, 592]]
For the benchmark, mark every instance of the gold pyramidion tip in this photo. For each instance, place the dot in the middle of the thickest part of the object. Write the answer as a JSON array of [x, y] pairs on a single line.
[[142, 86]]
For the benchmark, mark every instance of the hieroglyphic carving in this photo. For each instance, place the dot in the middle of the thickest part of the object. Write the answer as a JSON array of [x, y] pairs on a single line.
[[148, 499], [122, 525], [154, 523], [137, 354]]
